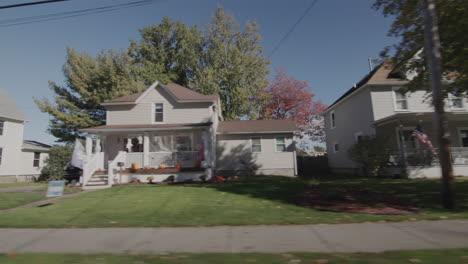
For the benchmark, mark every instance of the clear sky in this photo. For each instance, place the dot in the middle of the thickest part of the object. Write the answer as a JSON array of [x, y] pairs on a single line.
[[329, 48]]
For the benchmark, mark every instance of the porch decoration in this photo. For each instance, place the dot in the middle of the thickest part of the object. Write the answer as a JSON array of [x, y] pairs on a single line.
[[150, 179], [178, 166], [134, 166], [419, 134], [162, 166]]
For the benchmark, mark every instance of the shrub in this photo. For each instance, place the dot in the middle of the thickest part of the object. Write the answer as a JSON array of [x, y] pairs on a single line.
[[55, 164], [373, 153]]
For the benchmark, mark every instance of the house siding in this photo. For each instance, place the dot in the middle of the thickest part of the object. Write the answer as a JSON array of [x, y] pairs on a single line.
[[27, 163], [352, 116], [143, 112], [11, 142], [234, 155]]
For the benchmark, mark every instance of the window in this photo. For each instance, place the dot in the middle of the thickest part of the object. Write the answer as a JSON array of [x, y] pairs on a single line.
[[455, 103], [463, 133], [401, 101], [256, 144], [183, 142], [1, 152], [332, 119], [2, 124], [358, 137], [37, 158], [280, 143], [336, 147], [158, 112]]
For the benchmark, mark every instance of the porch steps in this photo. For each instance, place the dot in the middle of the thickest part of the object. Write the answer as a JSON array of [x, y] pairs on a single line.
[[97, 181]]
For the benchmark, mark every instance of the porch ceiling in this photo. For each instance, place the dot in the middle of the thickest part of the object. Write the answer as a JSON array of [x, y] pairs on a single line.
[[417, 116], [107, 129]]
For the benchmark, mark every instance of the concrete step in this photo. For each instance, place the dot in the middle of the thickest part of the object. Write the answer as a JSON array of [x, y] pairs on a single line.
[[95, 187], [96, 182]]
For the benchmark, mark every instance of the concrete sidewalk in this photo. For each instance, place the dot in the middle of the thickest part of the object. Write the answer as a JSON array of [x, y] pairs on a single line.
[[366, 237]]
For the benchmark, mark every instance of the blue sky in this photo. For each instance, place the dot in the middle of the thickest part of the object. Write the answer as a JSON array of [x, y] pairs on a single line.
[[329, 48]]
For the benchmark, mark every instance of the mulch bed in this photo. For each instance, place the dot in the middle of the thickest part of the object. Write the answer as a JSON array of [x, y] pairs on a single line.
[[352, 201]]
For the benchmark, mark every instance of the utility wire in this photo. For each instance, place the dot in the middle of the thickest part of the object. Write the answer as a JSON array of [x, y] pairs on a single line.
[[286, 36], [32, 3], [68, 14]]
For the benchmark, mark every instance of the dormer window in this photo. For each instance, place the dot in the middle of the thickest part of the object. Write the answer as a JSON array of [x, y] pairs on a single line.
[[401, 100], [158, 112], [455, 103]]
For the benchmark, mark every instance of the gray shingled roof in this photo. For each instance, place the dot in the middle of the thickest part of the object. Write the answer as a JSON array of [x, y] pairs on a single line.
[[257, 126], [9, 109], [36, 146]]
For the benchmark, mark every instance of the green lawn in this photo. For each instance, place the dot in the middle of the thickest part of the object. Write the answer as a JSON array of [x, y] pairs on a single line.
[[254, 201], [20, 184], [15, 199], [452, 256]]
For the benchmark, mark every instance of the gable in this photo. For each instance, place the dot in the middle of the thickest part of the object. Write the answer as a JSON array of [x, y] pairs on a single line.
[[9, 109]]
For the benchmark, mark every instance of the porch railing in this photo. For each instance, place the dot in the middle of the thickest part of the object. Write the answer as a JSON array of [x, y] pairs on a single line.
[[186, 159], [459, 156]]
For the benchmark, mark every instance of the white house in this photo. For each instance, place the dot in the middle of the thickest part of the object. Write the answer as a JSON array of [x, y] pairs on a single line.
[[375, 106], [169, 130], [20, 160]]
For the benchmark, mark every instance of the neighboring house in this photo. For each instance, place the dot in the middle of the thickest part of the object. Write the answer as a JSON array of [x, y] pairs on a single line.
[[20, 160], [183, 131], [375, 106]]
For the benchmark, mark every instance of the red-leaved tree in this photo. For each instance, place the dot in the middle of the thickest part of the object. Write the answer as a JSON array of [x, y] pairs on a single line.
[[292, 99]]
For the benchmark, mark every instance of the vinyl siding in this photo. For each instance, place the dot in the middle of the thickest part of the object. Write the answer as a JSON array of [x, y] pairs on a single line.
[[11, 142], [351, 116], [27, 162], [143, 112], [234, 151]]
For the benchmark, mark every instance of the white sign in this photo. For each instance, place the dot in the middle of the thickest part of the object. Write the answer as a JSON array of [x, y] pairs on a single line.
[[55, 188]]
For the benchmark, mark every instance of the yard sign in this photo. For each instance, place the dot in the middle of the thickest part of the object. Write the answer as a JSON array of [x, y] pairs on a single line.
[[55, 188]]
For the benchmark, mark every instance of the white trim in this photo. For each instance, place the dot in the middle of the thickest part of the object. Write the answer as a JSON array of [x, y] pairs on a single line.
[[395, 108], [133, 130], [459, 129], [251, 144], [275, 144], [332, 119]]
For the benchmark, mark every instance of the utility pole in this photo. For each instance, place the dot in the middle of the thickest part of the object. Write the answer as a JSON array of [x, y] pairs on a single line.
[[432, 50]]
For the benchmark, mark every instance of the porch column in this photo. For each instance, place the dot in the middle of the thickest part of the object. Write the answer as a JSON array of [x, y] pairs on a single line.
[[146, 144], [89, 145], [97, 146]]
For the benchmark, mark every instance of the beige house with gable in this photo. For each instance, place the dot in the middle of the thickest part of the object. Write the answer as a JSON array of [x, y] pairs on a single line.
[[169, 130], [376, 106], [20, 160]]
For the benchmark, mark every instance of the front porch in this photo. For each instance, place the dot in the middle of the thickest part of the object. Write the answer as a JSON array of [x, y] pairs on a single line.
[[414, 159], [115, 157]]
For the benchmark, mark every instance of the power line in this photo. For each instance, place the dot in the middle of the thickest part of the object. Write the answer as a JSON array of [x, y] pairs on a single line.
[[32, 3], [68, 14], [286, 36]]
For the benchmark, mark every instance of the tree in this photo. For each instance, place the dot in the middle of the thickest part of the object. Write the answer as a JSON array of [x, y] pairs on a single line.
[[167, 52], [88, 82], [373, 153], [320, 149], [291, 99], [55, 164], [408, 26], [232, 65]]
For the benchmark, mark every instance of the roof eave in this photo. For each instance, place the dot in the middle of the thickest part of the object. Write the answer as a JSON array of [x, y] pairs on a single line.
[[130, 130], [255, 132]]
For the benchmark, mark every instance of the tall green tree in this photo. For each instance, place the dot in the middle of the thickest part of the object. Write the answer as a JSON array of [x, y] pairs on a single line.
[[408, 26], [88, 82], [233, 66], [167, 52]]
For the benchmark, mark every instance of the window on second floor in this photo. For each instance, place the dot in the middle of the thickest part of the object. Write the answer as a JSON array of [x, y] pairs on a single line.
[[401, 101], [455, 103], [336, 147], [1, 153], [256, 144], [280, 143], [2, 124], [332, 119], [37, 159], [158, 112]]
